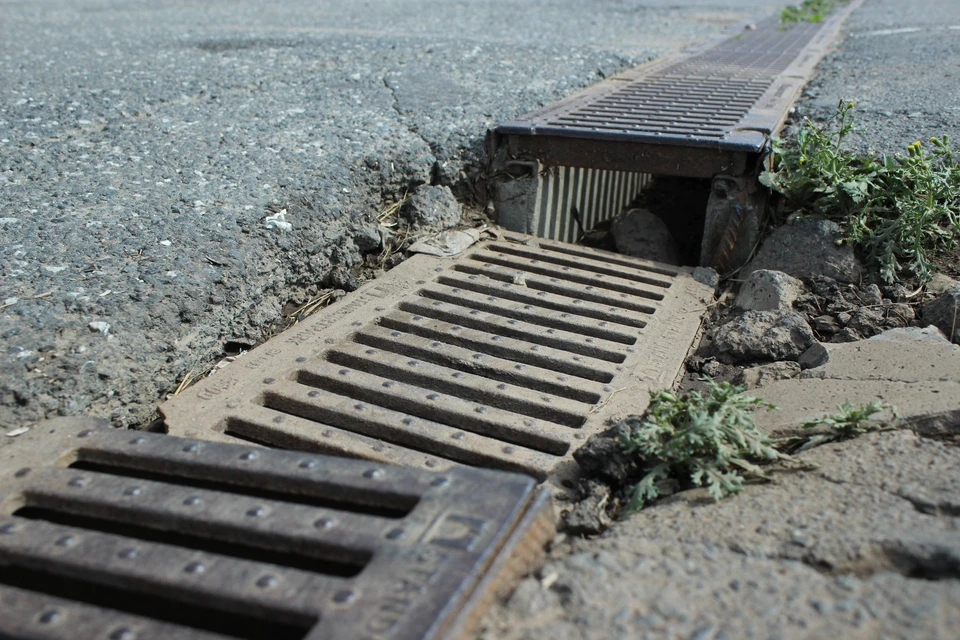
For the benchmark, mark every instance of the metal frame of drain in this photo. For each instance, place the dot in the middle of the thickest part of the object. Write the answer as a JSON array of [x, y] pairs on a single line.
[[507, 356], [705, 113], [111, 534]]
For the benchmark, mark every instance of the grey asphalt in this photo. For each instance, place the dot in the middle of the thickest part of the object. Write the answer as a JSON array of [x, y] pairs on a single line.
[[900, 64], [144, 142]]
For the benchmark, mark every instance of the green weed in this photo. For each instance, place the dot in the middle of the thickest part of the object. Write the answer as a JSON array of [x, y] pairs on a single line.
[[849, 422], [809, 11], [707, 438], [898, 210]]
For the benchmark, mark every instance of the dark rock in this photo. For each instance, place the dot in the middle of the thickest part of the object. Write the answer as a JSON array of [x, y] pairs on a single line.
[[341, 278], [432, 208], [846, 335], [869, 295], [944, 424], [826, 325], [839, 307], [899, 315], [897, 292], [866, 322], [808, 248], [764, 335], [714, 369], [944, 313], [824, 286], [589, 517], [642, 234], [815, 356], [939, 284], [602, 457]]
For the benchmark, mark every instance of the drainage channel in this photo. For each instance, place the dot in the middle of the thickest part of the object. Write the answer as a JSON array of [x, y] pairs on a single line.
[[706, 113], [126, 535], [507, 356]]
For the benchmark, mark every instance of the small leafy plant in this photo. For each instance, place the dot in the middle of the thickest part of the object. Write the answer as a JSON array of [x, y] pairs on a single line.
[[849, 422], [899, 211], [707, 438], [809, 11]]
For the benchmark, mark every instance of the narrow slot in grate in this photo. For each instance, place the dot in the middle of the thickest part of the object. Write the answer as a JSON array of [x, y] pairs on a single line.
[[183, 616], [492, 368], [461, 385], [371, 428], [242, 431], [544, 300], [613, 259], [587, 270], [343, 563], [615, 301], [385, 505], [421, 403], [507, 348], [497, 327], [532, 314], [565, 275]]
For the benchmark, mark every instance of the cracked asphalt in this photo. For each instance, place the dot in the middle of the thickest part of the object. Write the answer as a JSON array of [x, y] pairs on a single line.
[[143, 143]]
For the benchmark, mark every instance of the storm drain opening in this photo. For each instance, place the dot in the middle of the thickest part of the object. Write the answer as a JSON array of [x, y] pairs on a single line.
[[508, 356], [142, 543], [568, 169]]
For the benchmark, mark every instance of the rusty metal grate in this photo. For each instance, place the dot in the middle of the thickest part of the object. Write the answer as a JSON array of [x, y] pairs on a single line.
[[508, 356], [136, 536], [726, 97]]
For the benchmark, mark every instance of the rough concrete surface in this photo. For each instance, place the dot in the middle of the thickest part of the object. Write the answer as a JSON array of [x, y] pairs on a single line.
[[145, 144], [915, 370], [848, 550]]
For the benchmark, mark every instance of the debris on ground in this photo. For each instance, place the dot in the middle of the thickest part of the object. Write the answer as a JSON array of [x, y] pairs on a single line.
[[446, 243]]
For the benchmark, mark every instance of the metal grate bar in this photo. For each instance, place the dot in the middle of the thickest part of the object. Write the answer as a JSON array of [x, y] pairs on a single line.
[[100, 540]]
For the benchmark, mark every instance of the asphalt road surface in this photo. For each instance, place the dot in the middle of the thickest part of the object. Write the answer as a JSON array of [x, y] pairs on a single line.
[[900, 64], [144, 142]]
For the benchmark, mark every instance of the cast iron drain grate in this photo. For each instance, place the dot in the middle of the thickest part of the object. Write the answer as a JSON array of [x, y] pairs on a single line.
[[726, 98], [507, 356], [127, 535]]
